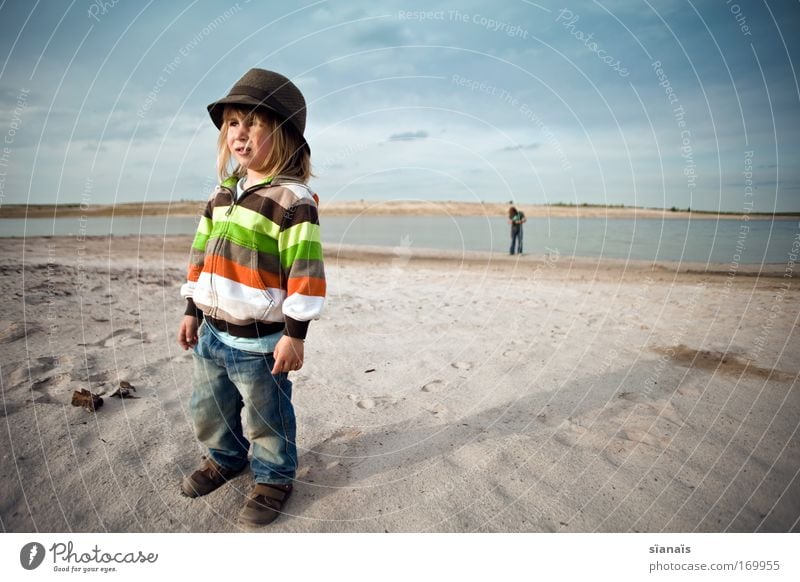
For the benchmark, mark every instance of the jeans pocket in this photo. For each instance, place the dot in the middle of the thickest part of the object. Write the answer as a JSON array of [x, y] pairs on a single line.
[[202, 339]]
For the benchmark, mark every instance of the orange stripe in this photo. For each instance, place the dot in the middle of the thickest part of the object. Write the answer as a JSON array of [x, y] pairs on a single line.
[[194, 273], [244, 275], [311, 286]]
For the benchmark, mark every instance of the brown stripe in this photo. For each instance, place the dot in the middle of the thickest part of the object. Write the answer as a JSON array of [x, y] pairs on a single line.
[[308, 268], [196, 257], [304, 211], [247, 258], [264, 205], [263, 261], [273, 202], [224, 315], [222, 197], [253, 330]]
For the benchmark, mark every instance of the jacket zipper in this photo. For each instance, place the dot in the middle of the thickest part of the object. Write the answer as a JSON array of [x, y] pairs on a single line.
[[215, 302], [234, 202]]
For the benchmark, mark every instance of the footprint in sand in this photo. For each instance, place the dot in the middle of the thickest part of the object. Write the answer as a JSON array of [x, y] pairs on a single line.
[[513, 349], [464, 366], [57, 373], [437, 409], [433, 386], [37, 381], [345, 434], [43, 391], [36, 370], [631, 396], [643, 436], [331, 460], [96, 379], [120, 338], [568, 433], [376, 402], [18, 330]]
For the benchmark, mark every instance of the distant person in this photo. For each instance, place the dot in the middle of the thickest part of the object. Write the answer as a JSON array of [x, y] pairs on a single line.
[[255, 281], [516, 218]]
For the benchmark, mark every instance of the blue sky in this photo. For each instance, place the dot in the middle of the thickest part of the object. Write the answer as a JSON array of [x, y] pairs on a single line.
[[537, 102]]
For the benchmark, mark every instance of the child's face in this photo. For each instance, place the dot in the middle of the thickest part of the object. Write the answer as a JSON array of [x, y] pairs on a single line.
[[249, 140]]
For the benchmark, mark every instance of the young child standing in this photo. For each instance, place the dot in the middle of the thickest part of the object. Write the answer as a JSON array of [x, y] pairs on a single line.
[[255, 281]]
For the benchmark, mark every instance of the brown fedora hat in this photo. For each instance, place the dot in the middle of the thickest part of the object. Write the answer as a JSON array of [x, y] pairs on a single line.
[[260, 88]]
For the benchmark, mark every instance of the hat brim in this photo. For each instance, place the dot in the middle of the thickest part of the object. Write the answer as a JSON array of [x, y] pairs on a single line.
[[217, 109]]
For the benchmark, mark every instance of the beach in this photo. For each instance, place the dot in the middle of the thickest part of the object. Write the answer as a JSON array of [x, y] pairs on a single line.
[[441, 392]]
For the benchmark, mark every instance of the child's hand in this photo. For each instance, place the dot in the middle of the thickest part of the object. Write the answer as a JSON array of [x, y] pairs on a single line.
[[187, 332], [288, 355]]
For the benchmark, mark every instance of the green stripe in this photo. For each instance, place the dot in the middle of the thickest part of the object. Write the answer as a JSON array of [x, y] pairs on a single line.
[[305, 231], [218, 215], [305, 250], [202, 234], [252, 230], [248, 239], [204, 227], [246, 218], [199, 242]]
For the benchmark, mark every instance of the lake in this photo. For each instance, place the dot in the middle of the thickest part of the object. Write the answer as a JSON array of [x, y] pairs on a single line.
[[697, 240]]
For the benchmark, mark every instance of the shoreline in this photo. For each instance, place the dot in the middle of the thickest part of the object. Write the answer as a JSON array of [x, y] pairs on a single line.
[[175, 248], [388, 208]]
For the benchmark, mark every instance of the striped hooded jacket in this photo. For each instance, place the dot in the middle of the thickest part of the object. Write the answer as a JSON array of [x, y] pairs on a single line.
[[258, 260]]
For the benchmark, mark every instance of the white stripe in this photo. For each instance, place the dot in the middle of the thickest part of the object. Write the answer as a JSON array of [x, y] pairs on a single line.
[[241, 301], [303, 307], [248, 303], [299, 190], [187, 289]]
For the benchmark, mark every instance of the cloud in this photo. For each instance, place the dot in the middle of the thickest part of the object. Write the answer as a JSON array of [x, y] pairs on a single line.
[[519, 146], [408, 135], [379, 34], [95, 147], [366, 72]]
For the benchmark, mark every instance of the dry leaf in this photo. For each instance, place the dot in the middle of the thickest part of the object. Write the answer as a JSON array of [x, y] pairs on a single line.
[[85, 399], [124, 390]]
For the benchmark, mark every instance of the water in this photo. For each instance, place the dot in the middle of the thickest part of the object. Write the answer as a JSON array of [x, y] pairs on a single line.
[[698, 240]]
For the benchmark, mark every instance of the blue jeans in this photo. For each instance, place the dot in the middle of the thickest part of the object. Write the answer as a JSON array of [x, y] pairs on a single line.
[[228, 381], [516, 240]]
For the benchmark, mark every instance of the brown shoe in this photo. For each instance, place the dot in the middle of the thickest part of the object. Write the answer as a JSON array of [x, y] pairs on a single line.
[[206, 479], [265, 503]]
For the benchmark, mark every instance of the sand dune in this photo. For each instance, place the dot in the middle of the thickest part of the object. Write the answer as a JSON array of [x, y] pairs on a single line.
[[388, 207]]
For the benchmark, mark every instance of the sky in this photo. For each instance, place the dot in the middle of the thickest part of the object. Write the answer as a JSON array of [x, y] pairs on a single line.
[[656, 104]]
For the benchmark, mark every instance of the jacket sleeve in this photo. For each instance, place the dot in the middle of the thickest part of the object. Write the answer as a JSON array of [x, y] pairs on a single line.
[[300, 248], [197, 258]]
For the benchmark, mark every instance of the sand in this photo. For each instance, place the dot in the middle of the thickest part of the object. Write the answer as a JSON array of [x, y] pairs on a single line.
[[441, 393]]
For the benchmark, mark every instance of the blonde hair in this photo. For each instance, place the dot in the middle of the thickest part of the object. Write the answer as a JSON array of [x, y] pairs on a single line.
[[289, 158]]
